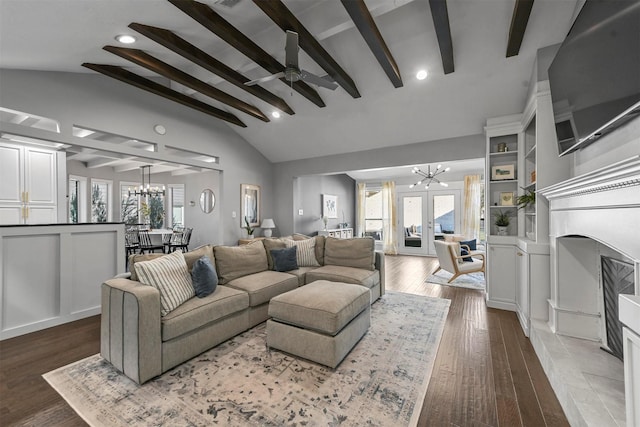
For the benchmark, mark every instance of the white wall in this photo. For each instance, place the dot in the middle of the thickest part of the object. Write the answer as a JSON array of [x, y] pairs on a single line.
[[98, 102]]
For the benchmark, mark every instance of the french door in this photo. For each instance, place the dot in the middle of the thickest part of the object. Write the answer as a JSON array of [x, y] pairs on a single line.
[[425, 216]]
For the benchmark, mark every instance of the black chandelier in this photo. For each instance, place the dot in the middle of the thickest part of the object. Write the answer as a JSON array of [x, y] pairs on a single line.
[[145, 189], [429, 176]]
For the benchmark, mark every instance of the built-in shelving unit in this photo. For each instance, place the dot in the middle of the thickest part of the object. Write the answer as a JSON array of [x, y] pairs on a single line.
[[501, 190]]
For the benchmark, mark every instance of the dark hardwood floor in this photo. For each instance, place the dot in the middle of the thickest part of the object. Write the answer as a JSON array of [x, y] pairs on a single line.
[[486, 372]]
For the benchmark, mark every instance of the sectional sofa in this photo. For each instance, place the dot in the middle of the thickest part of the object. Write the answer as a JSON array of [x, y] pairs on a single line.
[[142, 344]]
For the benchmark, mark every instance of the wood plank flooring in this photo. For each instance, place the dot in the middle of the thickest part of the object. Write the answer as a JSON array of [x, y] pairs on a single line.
[[486, 372]]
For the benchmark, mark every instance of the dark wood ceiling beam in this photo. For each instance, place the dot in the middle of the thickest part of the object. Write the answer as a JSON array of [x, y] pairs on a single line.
[[519, 21], [143, 83], [440, 15], [278, 12], [188, 51], [366, 25], [149, 62], [215, 23]]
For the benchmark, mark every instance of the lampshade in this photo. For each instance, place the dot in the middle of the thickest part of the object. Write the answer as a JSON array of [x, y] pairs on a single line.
[[267, 225]]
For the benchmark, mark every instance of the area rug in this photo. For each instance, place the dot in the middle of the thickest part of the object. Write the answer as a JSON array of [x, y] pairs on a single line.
[[471, 281], [382, 382]]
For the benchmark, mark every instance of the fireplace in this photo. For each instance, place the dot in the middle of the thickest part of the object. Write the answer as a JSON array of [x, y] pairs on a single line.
[[594, 237]]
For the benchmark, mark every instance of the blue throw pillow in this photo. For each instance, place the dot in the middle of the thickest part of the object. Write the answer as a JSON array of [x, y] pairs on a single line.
[[472, 246], [284, 259], [204, 277]]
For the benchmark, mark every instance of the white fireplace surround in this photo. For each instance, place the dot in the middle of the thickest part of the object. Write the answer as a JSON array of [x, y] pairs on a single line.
[[594, 214], [603, 205]]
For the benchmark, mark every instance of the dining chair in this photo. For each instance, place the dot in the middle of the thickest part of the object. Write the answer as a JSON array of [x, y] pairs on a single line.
[[146, 245], [184, 242]]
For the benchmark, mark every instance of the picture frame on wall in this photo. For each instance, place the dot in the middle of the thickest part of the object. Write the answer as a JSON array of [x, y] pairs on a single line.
[[506, 198], [329, 206], [503, 172], [250, 204]]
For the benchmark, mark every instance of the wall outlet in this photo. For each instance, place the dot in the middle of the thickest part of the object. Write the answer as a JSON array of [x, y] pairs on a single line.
[[233, 214], [300, 212]]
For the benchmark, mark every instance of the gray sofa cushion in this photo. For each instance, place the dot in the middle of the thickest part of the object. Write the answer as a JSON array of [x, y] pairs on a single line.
[[358, 252], [321, 306], [233, 262], [264, 285], [338, 273], [198, 312]]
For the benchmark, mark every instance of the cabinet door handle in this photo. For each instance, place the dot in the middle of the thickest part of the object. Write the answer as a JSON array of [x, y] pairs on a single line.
[[519, 254], [26, 213], [26, 197]]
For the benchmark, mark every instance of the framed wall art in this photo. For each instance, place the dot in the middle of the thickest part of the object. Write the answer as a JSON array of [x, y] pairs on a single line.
[[506, 198], [329, 206], [250, 204], [503, 172]]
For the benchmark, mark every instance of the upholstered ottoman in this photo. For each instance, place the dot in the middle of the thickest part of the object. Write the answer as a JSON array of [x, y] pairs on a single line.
[[321, 321]]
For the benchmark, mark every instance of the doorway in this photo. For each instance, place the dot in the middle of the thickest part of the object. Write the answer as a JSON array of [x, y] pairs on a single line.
[[424, 217]]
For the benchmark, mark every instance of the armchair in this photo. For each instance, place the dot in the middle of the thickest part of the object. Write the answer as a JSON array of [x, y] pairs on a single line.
[[450, 259]]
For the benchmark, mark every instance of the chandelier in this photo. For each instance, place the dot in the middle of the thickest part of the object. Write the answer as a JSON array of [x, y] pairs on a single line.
[[145, 189], [429, 176]]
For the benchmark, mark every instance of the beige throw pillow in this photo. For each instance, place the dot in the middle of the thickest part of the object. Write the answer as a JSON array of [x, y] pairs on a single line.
[[233, 262], [305, 252], [168, 274]]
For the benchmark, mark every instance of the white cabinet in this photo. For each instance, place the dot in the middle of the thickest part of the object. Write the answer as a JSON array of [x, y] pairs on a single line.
[[28, 189], [522, 289], [338, 233], [501, 276]]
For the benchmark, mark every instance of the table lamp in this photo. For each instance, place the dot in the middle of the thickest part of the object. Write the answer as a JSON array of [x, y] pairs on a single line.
[[267, 225]]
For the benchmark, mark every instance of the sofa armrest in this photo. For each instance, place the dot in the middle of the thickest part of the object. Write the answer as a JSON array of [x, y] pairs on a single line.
[[130, 331], [379, 264]]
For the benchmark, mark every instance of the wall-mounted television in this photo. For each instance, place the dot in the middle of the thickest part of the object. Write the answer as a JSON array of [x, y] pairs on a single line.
[[595, 76]]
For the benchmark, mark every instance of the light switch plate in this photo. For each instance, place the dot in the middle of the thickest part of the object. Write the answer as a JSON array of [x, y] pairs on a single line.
[[300, 212], [233, 214]]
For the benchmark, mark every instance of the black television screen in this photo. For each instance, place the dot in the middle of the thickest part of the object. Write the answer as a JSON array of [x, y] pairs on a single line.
[[595, 76]]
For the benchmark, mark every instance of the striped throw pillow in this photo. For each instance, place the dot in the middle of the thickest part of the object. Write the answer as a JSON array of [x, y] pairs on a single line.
[[305, 252], [170, 275]]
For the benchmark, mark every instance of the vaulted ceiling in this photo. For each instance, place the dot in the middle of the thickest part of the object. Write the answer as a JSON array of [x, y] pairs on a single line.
[[479, 56]]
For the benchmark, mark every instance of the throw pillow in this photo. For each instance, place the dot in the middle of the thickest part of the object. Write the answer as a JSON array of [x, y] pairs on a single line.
[[285, 259], [168, 274], [305, 252], [270, 244], [204, 277], [472, 246]]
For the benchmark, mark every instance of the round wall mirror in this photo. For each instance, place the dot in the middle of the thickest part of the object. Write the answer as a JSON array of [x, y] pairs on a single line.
[[207, 201]]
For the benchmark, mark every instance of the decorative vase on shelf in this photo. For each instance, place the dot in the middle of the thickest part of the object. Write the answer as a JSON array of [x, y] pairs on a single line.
[[502, 231]]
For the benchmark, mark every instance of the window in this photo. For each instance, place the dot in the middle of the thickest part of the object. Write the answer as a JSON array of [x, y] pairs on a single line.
[[77, 199], [128, 204], [153, 207], [100, 200], [373, 213], [176, 202]]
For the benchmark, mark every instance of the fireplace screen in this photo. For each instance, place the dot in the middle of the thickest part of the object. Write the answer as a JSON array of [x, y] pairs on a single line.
[[617, 278]]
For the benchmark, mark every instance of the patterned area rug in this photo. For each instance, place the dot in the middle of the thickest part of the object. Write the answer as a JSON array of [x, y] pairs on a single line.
[[472, 281], [382, 382]]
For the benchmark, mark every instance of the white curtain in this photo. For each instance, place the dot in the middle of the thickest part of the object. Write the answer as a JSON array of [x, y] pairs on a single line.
[[360, 209], [389, 218], [471, 212]]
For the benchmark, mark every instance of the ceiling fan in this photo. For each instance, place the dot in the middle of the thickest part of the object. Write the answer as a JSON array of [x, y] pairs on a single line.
[[292, 73]]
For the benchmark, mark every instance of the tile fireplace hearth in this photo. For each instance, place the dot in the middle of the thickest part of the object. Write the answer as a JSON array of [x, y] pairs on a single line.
[[590, 216]]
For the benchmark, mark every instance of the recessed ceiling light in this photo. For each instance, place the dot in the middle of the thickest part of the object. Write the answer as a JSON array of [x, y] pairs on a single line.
[[421, 75], [276, 115], [125, 38]]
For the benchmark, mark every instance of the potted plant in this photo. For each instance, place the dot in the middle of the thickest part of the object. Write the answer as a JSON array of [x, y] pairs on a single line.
[[502, 221], [248, 227], [526, 199]]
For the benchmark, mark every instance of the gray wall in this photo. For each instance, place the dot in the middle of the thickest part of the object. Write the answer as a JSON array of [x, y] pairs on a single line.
[[97, 102], [286, 173], [308, 191]]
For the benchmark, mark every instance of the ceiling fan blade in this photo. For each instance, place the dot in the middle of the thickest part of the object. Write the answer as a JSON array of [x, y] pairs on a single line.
[[326, 82], [291, 50], [265, 79]]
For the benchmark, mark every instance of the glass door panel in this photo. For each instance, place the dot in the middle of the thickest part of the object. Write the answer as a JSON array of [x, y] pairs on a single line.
[[444, 216], [412, 221]]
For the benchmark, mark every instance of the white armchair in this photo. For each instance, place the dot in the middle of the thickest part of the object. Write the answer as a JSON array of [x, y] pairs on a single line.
[[450, 259]]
